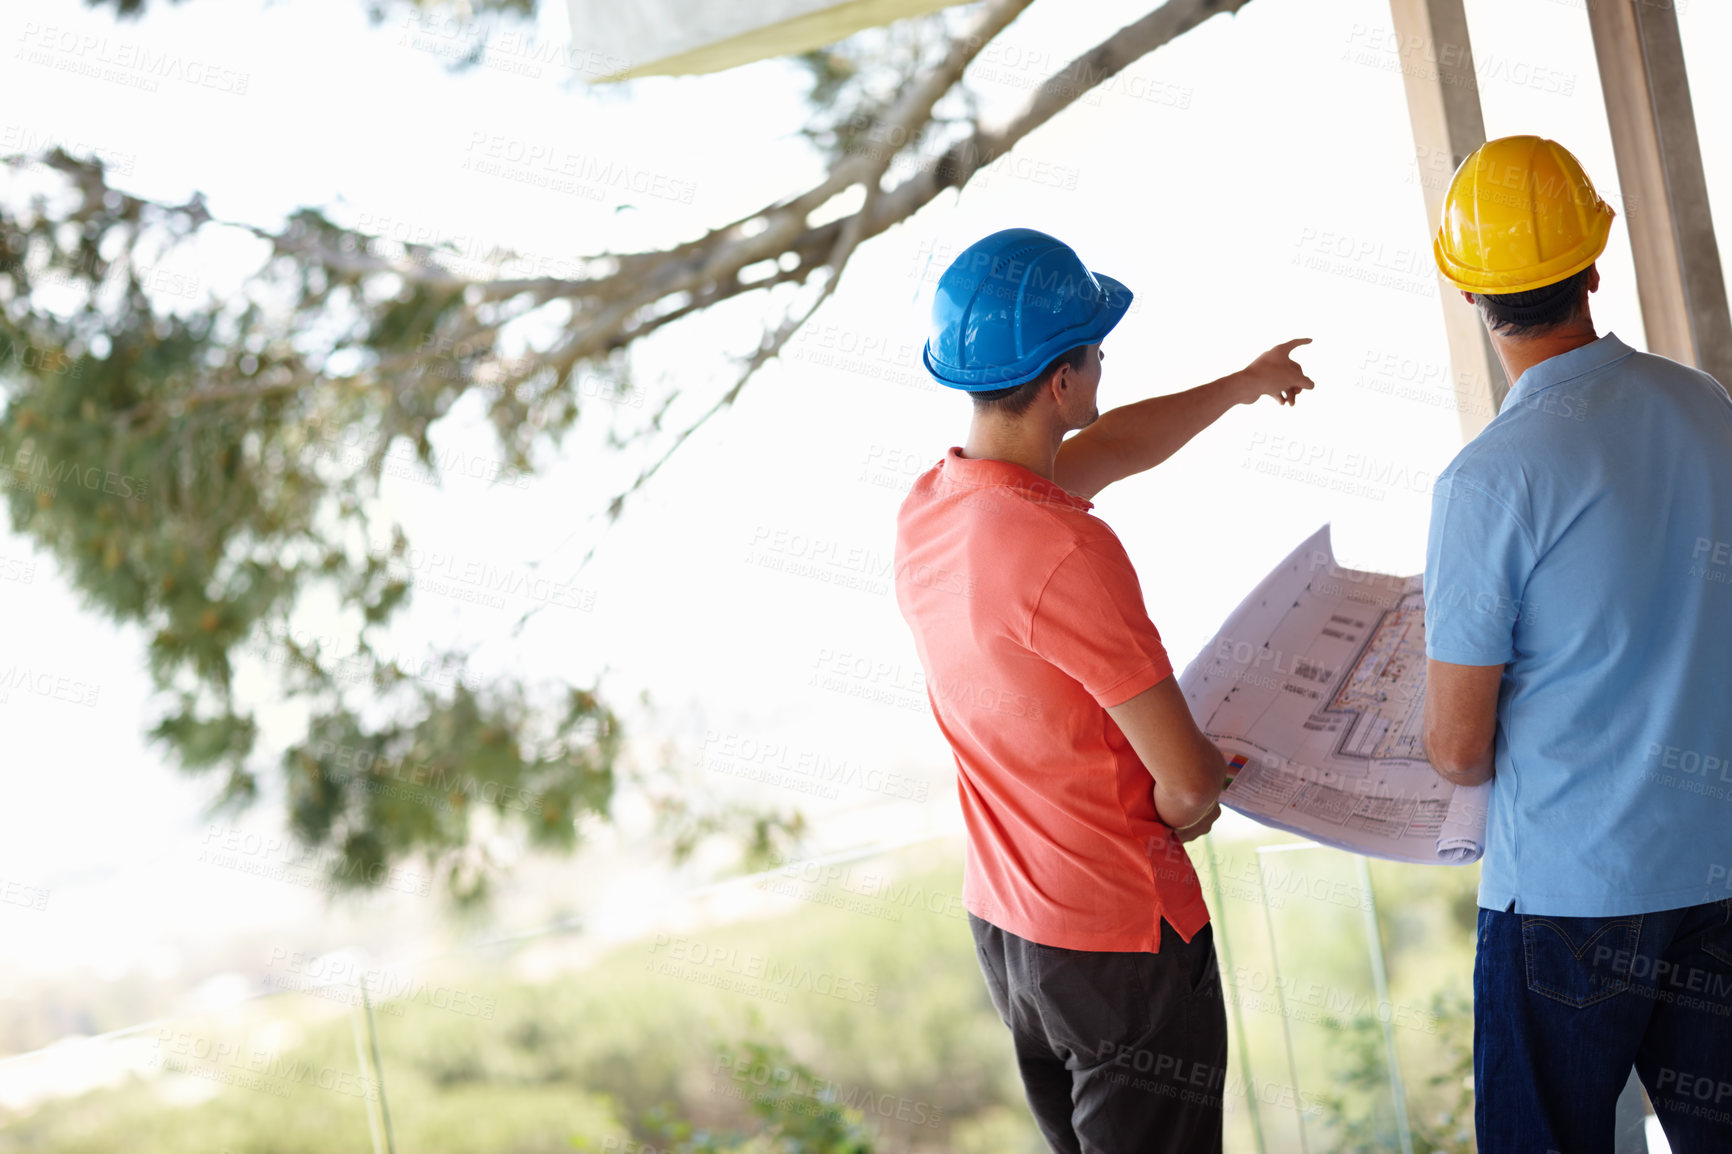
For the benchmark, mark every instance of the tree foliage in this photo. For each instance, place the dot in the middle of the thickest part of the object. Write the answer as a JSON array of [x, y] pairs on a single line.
[[187, 473], [1357, 1111], [797, 1111]]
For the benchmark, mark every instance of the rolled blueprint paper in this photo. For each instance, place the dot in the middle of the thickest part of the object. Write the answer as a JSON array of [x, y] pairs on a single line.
[[1462, 840]]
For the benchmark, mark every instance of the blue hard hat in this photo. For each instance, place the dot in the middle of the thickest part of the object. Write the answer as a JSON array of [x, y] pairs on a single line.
[[1009, 304]]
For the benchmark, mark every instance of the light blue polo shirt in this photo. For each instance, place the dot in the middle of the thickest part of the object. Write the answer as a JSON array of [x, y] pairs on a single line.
[[1584, 541]]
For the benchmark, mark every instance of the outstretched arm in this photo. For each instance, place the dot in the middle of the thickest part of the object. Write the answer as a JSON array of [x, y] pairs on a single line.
[[1131, 438]]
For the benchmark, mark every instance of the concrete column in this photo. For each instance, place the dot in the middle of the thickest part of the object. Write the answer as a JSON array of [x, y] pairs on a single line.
[[1443, 107], [1678, 275]]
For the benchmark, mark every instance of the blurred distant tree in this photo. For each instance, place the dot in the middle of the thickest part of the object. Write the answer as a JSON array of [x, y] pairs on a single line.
[[1357, 1109], [798, 1111], [204, 469]]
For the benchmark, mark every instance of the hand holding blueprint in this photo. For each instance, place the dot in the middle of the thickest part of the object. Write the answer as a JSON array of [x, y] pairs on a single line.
[[1313, 689]]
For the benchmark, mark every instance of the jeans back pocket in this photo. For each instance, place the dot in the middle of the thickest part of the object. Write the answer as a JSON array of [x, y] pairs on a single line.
[[1717, 939], [1579, 961]]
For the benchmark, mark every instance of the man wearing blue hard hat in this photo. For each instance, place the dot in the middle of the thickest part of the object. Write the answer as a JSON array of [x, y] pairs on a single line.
[[1079, 768]]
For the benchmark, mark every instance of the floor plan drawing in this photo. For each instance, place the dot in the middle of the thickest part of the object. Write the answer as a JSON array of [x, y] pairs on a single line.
[[1314, 688], [1384, 688]]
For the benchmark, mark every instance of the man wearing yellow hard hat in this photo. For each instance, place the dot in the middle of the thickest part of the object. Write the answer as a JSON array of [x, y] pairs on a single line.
[[1578, 594]]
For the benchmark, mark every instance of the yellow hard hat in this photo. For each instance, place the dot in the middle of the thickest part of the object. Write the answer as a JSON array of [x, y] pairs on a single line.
[[1520, 214]]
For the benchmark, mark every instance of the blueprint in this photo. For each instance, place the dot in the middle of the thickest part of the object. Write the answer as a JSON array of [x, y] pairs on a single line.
[[1313, 688]]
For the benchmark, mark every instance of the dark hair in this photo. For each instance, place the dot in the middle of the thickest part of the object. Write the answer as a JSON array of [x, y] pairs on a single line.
[[1015, 401], [1537, 310]]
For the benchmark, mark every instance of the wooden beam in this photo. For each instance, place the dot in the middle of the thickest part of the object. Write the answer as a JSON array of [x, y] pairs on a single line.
[[1678, 274], [1443, 107]]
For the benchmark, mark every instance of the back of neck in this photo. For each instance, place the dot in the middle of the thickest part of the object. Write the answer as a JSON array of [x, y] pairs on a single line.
[[1519, 354]]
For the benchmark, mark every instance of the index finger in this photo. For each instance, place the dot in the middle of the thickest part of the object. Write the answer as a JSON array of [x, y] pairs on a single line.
[[1289, 346]]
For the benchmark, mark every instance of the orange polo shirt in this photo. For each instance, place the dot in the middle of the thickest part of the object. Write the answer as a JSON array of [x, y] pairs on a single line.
[[1029, 621]]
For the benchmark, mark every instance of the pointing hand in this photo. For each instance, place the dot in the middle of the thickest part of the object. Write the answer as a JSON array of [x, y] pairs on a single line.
[[1276, 374]]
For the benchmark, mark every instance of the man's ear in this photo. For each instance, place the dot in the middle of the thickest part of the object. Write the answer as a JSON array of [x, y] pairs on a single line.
[[1060, 380], [1467, 296], [1593, 278]]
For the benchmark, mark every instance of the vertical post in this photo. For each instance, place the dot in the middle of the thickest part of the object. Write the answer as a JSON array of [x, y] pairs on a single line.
[[1227, 971], [1678, 274], [365, 1065], [1630, 1119], [1281, 997], [378, 1067], [1380, 979], [1443, 108]]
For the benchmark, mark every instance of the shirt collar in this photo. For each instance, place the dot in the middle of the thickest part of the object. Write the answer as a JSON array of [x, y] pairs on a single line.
[[979, 472], [1579, 361]]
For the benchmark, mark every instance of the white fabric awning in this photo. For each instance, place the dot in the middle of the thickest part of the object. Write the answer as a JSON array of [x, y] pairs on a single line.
[[684, 37]]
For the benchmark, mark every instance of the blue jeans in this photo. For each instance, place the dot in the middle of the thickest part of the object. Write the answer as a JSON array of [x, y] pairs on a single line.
[[1563, 1007]]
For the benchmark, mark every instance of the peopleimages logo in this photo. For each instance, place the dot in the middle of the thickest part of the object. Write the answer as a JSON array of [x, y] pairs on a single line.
[[496, 154], [1327, 466], [132, 63], [783, 1083], [29, 469], [294, 970], [955, 692], [1041, 289], [807, 770], [712, 964], [1488, 602]]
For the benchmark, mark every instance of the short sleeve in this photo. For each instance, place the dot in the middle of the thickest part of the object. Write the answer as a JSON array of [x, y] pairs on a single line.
[[1478, 558], [1090, 622]]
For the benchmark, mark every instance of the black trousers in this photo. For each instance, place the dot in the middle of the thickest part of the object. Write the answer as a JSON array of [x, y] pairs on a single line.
[[1120, 1053]]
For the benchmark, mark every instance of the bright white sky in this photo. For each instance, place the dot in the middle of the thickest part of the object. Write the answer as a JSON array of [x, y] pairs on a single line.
[[1212, 178]]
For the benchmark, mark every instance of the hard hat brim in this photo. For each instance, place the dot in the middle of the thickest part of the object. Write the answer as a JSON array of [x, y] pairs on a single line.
[[1115, 303], [1479, 280]]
